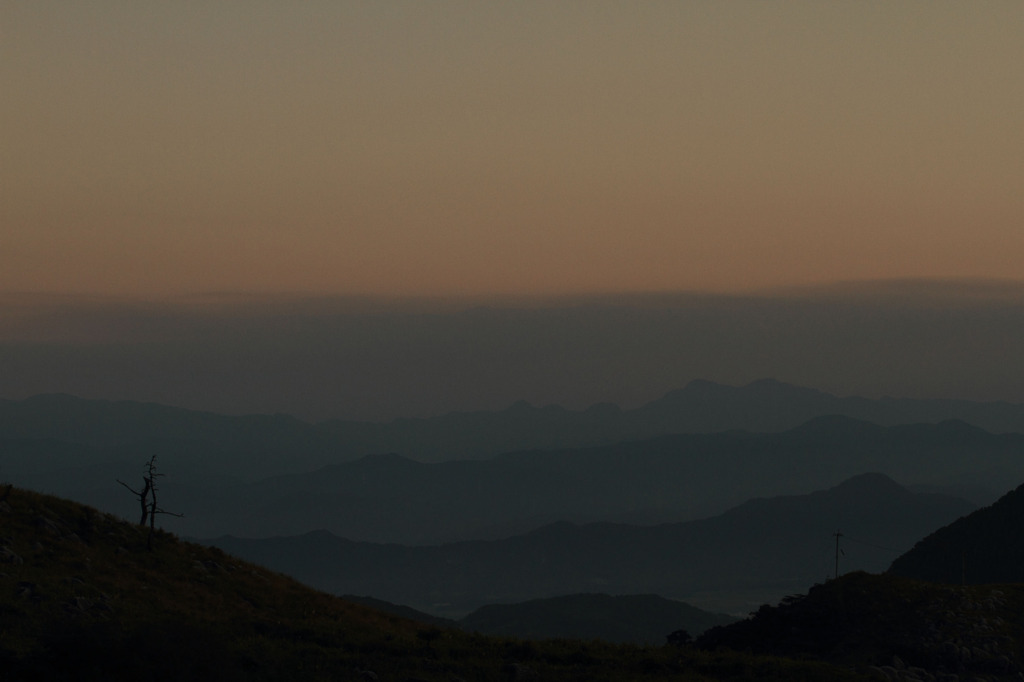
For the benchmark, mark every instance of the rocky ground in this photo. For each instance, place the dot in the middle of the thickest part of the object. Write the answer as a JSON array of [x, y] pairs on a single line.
[[905, 630]]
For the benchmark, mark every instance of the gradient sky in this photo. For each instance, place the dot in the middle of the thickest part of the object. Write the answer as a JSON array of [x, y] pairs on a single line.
[[396, 148]]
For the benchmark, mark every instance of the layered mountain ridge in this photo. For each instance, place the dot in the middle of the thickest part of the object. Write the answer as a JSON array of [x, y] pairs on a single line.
[[761, 550]]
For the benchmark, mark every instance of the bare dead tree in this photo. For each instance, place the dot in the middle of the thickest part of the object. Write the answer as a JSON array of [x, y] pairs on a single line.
[[147, 499], [143, 496], [154, 509]]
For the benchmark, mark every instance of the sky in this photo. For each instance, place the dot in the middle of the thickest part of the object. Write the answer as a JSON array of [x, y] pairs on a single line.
[[158, 149], [381, 209]]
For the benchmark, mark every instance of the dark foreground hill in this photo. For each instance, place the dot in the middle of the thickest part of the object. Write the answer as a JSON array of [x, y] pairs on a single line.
[[81, 598], [760, 550], [904, 629], [983, 547]]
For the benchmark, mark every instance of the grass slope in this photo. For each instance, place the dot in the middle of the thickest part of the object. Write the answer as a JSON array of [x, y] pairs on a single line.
[[81, 598]]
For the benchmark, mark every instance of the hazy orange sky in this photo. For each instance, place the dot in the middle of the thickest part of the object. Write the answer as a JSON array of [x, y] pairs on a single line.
[[162, 148]]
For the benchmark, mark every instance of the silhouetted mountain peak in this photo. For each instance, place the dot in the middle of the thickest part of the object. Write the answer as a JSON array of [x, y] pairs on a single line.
[[868, 485], [520, 406], [856, 492], [781, 388], [763, 405], [701, 386], [871, 478]]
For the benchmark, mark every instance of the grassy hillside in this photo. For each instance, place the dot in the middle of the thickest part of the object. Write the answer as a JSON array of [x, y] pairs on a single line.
[[81, 598]]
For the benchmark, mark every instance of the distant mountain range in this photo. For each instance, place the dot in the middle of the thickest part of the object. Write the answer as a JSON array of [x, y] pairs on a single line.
[[390, 498], [255, 446], [765, 547]]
